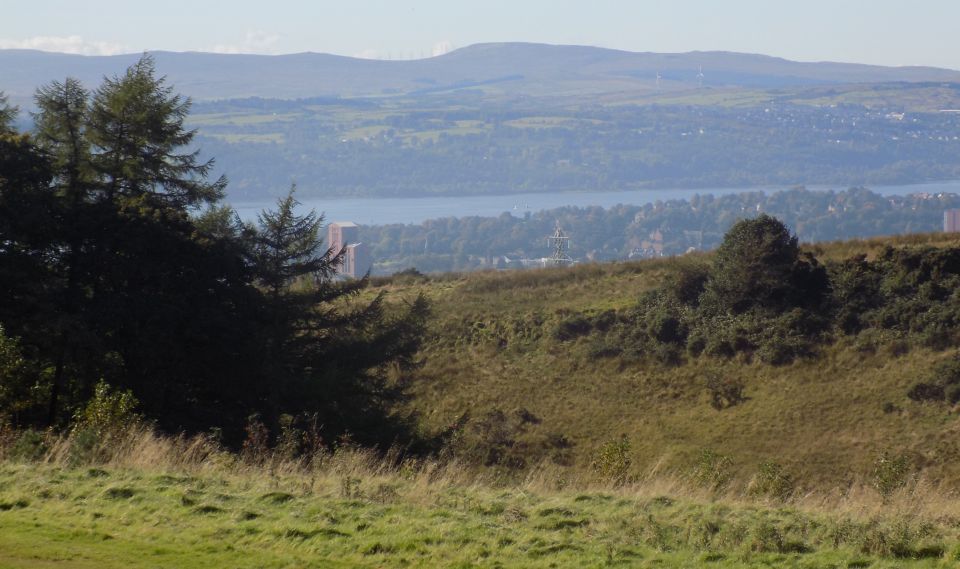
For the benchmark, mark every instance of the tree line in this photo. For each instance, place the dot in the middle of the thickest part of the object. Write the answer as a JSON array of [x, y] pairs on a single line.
[[624, 231], [120, 265]]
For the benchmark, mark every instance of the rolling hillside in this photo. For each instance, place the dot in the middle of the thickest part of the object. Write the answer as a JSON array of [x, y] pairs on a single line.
[[825, 463], [515, 118], [498, 346], [515, 69]]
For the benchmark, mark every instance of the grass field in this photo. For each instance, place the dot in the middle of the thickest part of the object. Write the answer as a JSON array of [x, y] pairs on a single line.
[[180, 503]]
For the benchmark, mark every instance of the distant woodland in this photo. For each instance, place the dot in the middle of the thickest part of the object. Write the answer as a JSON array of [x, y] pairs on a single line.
[[667, 228]]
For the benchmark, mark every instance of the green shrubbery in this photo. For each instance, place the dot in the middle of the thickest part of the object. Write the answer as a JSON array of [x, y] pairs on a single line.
[[712, 470], [765, 299], [503, 441], [612, 461], [772, 481], [724, 392], [942, 385], [890, 473]]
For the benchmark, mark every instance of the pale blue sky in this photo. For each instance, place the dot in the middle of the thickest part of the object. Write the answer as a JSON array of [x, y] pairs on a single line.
[[888, 32]]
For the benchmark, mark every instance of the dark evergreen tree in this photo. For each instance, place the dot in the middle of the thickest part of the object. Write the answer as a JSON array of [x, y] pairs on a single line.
[[28, 252], [137, 129], [326, 352], [117, 264], [759, 265], [61, 124], [7, 114]]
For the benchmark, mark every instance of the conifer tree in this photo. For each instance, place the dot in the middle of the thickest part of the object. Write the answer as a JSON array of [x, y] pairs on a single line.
[[7, 114], [326, 353], [60, 126], [137, 129]]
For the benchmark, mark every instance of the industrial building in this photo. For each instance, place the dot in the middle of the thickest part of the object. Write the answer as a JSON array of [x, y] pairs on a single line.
[[951, 220], [356, 260]]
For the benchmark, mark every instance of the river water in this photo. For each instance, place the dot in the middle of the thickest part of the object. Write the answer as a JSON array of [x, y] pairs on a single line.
[[381, 211]]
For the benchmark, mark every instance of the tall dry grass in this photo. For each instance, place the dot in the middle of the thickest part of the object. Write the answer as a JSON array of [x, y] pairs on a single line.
[[141, 448]]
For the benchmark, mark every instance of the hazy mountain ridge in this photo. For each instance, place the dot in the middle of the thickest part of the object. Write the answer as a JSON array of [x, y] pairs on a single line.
[[515, 118], [518, 68]]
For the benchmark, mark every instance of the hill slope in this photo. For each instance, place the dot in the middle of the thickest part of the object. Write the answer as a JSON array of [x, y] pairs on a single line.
[[516, 68], [826, 419], [516, 118]]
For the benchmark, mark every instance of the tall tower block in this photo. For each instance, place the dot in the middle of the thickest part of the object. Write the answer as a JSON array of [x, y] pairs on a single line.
[[951, 220], [345, 236]]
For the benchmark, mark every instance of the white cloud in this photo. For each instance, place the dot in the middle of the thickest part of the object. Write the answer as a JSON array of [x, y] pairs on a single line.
[[441, 47], [369, 54], [66, 44], [255, 42]]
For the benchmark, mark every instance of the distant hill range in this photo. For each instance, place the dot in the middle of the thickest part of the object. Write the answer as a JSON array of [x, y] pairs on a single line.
[[507, 69]]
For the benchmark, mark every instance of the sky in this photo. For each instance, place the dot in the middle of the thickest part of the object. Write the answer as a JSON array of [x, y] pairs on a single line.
[[884, 32]]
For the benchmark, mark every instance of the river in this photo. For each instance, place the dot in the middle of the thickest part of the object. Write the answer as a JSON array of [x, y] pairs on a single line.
[[381, 211]]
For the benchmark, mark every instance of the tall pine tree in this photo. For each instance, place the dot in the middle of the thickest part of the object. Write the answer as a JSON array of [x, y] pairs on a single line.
[[326, 351]]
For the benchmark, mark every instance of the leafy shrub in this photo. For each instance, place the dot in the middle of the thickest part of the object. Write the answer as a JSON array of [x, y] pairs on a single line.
[[109, 411], [713, 470], [666, 327], [724, 392], [605, 320], [667, 354], [499, 439], [256, 445], [766, 538], [30, 446], [943, 384], [760, 265], [601, 348], [572, 327], [947, 372], [612, 461], [926, 392], [688, 283], [900, 539], [87, 446], [773, 481], [560, 449], [890, 473], [953, 394], [409, 276], [18, 387], [696, 343], [107, 415]]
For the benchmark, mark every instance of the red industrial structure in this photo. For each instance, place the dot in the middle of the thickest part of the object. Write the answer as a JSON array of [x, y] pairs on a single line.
[[951, 220], [345, 236]]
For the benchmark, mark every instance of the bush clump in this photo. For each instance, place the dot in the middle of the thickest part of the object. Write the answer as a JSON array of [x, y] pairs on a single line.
[[764, 298], [612, 461], [725, 392], [890, 473], [713, 470], [772, 481]]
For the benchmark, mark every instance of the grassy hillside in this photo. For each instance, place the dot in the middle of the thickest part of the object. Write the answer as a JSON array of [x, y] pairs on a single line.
[[601, 462], [824, 419]]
